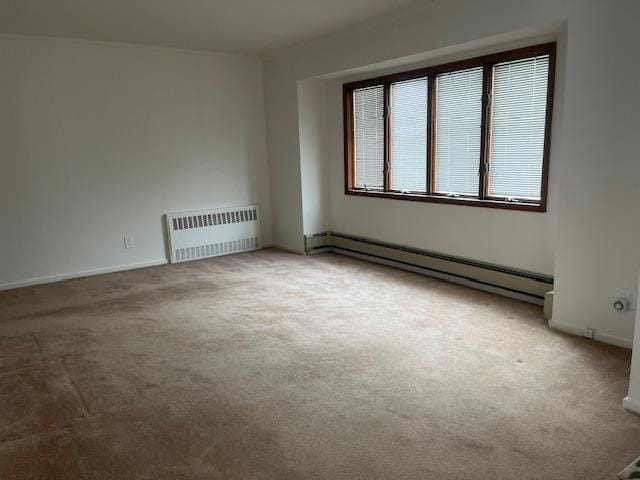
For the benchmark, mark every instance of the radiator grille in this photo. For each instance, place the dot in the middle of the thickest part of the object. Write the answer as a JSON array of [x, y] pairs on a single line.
[[210, 233], [216, 249], [213, 219]]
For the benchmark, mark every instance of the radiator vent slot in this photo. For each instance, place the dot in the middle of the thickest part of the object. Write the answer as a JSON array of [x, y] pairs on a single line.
[[187, 222], [211, 233], [216, 249]]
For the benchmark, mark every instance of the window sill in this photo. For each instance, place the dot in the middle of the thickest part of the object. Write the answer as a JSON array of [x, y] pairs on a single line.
[[470, 202]]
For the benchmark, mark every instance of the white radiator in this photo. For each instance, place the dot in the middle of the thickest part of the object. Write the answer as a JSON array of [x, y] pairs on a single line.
[[211, 233]]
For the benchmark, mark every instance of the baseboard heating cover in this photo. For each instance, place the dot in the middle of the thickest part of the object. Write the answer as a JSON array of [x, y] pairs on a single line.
[[519, 284], [211, 233]]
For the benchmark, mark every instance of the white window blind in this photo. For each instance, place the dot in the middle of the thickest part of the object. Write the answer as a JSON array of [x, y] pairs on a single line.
[[409, 102], [518, 114], [368, 116], [458, 131]]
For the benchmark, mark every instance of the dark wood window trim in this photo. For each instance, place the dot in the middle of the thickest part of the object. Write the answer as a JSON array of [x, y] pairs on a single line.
[[487, 62]]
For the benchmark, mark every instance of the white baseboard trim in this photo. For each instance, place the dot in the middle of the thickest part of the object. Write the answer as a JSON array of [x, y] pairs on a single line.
[[599, 336], [85, 273], [631, 404]]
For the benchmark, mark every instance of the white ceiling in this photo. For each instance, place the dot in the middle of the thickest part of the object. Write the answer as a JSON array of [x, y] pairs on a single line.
[[239, 26]]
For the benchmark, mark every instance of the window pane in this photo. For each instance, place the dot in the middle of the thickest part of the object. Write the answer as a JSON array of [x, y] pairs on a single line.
[[368, 117], [458, 123], [409, 135], [518, 114]]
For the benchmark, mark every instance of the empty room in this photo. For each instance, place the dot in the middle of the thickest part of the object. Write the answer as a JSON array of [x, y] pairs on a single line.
[[302, 239]]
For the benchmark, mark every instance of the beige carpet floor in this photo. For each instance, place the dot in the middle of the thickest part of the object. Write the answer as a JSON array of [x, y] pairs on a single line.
[[270, 365]]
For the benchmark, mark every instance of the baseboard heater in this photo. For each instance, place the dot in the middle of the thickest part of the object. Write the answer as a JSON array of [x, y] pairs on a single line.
[[523, 285], [211, 233]]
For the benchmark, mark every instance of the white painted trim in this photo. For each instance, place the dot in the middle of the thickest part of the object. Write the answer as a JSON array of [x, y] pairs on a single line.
[[599, 336], [631, 404], [443, 276], [85, 273], [566, 328]]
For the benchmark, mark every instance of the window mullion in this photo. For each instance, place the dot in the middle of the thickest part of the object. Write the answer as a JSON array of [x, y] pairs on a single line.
[[431, 134], [349, 141], [485, 127], [387, 138]]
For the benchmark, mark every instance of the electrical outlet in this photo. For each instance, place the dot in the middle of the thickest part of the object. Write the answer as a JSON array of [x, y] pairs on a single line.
[[632, 297], [128, 242], [588, 333]]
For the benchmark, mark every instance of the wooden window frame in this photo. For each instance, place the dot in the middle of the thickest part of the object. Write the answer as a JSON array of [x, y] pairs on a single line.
[[487, 62]]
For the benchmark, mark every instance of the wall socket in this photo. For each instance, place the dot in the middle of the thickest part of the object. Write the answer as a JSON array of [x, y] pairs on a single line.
[[128, 242], [589, 333]]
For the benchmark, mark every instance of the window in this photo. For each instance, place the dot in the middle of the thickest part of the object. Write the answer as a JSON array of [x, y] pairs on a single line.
[[458, 126], [368, 119], [408, 140], [474, 132], [518, 120]]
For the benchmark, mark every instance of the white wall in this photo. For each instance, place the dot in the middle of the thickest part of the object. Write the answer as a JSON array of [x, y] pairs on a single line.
[[589, 237], [100, 140], [599, 220], [632, 402], [283, 146], [314, 169]]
